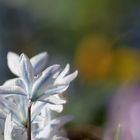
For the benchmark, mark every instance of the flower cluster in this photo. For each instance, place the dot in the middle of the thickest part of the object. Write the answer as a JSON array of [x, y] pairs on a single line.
[[27, 101]]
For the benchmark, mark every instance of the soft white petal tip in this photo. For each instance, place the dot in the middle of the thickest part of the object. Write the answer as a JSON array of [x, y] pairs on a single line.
[[10, 53], [68, 66], [22, 55], [45, 54], [75, 73]]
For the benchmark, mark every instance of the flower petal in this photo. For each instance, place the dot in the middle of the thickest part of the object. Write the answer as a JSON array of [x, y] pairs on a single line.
[[39, 107], [26, 71], [64, 72], [39, 62], [44, 81], [15, 82], [23, 108], [36, 109], [13, 62], [44, 134], [57, 108], [54, 99], [67, 79], [10, 107], [19, 134], [53, 127], [11, 90], [60, 121], [8, 128], [52, 91]]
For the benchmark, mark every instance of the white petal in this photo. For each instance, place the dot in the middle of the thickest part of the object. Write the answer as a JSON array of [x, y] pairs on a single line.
[[53, 127], [39, 62], [52, 91], [44, 134], [60, 121], [13, 62], [23, 101], [63, 73], [36, 109], [45, 80], [10, 107], [15, 82], [19, 134], [37, 119], [54, 99], [42, 106], [11, 90], [8, 128], [57, 108], [26, 71], [42, 119], [67, 79]]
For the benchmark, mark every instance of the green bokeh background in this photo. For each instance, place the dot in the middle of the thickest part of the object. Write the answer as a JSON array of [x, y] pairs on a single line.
[[61, 27]]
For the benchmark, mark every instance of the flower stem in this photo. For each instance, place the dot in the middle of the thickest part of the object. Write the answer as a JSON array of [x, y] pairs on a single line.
[[29, 122]]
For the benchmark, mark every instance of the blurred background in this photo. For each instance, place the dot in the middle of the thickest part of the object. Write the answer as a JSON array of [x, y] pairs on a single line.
[[100, 38]]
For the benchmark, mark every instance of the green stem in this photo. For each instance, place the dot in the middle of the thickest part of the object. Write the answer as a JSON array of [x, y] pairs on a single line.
[[29, 122]]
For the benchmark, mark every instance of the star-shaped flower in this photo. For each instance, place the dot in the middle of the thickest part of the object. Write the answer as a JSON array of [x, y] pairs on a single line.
[[37, 89], [35, 84]]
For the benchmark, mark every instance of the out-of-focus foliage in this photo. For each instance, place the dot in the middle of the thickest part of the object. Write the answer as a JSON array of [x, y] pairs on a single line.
[[100, 38], [75, 15]]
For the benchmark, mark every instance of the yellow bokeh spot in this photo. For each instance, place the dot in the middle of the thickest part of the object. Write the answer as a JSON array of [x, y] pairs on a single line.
[[126, 64], [94, 57]]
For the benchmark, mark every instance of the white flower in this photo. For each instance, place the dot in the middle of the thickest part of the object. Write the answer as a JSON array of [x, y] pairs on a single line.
[[17, 108], [38, 62], [34, 84], [37, 89], [51, 130]]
